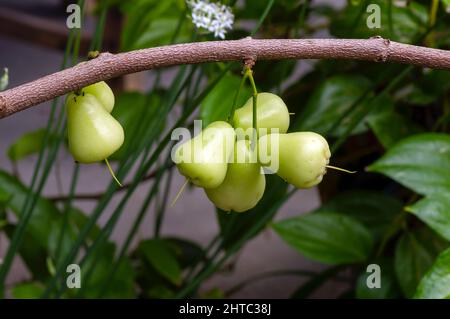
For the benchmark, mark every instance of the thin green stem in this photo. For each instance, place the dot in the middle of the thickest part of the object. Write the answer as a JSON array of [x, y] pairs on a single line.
[[249, 74], [211, 267], [31, 197], [262, 17], [235, 99], [66, 211], [104, 201]]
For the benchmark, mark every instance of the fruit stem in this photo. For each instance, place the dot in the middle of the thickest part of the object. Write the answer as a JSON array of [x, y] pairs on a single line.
[[340, 169], [233, 107], [179, 193], [112, 172], [249, 74]]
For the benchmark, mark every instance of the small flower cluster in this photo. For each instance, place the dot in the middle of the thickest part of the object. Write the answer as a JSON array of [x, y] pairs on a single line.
[[213, 17]]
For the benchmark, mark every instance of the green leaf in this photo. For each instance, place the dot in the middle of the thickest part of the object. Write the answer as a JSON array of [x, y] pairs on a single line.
[[436, 282], [28, 144], [162, 258], [306, 289], [122, 285], [330, 101], [128, 109], [152, 23], [271, 74], [389, 134], [4, 79], [407, 22], [434, 210], [42, 233], [373, 209], [412, 260], [187, 252], [217, 104], [388, 286], [446, 4], [28, 290], [420, 162], [327, 237], [44, 212]]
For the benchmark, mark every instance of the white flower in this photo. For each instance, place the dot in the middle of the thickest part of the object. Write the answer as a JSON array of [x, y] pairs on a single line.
[[215, 18]]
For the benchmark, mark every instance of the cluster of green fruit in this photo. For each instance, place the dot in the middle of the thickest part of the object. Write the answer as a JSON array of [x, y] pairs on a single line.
[[93, 133], [232, 176]]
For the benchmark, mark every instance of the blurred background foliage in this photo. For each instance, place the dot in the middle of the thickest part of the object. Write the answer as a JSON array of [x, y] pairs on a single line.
[[389, 122]]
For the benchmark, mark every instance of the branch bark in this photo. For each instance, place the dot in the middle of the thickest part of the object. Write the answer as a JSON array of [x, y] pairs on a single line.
[[108, 65]]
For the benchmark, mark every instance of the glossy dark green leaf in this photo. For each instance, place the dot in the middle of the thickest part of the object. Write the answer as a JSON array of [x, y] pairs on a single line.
[[43, 231], [388, 285], [152, 23], [412, 260], [217, 104], [33, 253], [44, 212], [330, 101], [271, 74], [374, 209], [327, 237], [28, 144], [160, 255], [27, 290], [389, 134], [420, 162], [434, 210], [436, 282], [187, 252], [128, 109], [122, 284], [407, 22]]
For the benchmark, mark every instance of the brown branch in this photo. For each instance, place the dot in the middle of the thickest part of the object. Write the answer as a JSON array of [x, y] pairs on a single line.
[[108, 65]]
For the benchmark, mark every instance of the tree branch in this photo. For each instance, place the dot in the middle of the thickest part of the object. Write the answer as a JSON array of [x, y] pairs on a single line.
[[108, 65]]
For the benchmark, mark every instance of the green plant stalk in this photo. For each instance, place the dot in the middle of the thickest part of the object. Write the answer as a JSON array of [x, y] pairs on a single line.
[[109, 226], [206, 271], [357, 119], [249, 73], [354, 106], [97, 42], [105, 199], [432, 21], [359, 16], [108, 229], [66, 211], [236, 96], [210, 268], [162, 208], [390, 20], [103, 202], [311, 285], [190, 108], [141, 215], [96, 45], [100, 207], [137, 222], [26, 213], [213, 242], [262, 17]]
